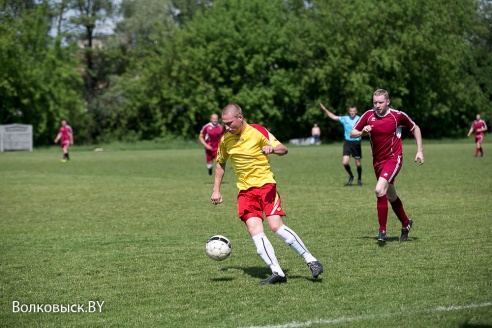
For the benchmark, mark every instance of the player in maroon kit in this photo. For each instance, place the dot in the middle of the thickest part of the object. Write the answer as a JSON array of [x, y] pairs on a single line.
[[383, 125], [209, 137], [479, 127], [66, 135]]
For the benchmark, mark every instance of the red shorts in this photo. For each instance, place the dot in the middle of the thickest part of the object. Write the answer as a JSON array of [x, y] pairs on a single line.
[[388, 169], [65, 144], [258, 200], [479, 138], [210, 155]]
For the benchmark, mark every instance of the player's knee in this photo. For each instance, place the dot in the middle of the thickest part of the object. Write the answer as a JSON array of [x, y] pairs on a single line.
[[275, 222], [275, 227], [380, 192]]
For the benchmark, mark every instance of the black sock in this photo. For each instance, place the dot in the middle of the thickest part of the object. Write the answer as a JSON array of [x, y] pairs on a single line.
[[210, 171], [349, 170], [359, 172]]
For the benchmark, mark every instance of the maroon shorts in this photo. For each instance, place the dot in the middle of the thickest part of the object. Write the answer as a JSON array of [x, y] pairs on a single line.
[[478, 138], [258, 200], [210, 155], [388, 169], [65, 144]]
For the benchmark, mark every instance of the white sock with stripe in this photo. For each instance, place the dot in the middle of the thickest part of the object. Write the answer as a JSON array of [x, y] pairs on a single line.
[[265, 250], [294, 241]]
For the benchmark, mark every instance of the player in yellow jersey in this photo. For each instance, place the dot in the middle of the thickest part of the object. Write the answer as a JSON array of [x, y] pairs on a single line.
[[247, 146]]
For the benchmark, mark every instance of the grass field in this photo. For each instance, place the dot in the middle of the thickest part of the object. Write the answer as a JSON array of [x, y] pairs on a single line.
[[128, 228]]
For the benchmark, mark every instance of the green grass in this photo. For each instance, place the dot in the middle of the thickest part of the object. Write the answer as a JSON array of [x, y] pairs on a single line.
[[129, 228]]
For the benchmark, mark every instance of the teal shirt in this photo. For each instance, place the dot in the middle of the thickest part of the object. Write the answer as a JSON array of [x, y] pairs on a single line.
[[348, 124]]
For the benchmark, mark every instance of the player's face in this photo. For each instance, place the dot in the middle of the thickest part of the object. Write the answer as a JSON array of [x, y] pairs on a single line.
[[352, 112], [380, 104], [478, 117], [214, 119], [233, 124]]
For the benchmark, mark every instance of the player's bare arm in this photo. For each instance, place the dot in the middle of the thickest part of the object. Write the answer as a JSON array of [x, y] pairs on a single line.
[[357, 134], [418, 139], [280, 150], [330, 114], [204, 143], [216, 197]]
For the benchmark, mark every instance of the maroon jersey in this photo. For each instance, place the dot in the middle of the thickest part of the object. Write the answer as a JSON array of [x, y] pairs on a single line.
[[385, 134], [65, 133], [212, 134], [479, 124]]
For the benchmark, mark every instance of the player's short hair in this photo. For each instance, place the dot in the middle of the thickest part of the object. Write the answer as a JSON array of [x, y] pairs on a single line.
[[232, 109], [381, 92]]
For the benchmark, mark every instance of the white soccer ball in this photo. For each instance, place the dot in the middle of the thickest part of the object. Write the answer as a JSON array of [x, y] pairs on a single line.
[[218, 248]]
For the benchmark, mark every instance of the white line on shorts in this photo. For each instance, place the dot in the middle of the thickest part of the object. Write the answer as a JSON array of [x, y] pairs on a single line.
[[373, 316]]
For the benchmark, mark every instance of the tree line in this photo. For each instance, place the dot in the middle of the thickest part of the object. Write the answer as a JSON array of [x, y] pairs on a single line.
[[164, 66]]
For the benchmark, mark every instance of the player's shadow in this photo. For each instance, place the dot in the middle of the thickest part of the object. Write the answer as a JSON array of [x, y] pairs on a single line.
[[472, 325], [388, 240], [255, 272], [223, 279], [263, 272]]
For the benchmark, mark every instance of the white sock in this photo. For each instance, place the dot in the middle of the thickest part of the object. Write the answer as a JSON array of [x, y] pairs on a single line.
[[265, 250], [209, 166], [295, 242]]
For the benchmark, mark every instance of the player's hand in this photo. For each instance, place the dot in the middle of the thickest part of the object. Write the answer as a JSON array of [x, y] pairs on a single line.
[[419, 157], [322, 106], [367, 129], [216, 198], [267, 150]]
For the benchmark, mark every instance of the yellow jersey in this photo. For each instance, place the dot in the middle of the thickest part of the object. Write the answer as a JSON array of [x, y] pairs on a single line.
[[251, 166]]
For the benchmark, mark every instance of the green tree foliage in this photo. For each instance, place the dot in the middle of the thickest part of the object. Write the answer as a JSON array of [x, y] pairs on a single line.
[[415, 49], [479, 65], [170, 63], [127, 108], [279, 66], [39, 84]]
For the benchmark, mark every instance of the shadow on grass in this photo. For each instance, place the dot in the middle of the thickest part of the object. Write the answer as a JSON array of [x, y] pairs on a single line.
[[389, 240], [263, 272], [222, 279], [255, 272], [474, 325]]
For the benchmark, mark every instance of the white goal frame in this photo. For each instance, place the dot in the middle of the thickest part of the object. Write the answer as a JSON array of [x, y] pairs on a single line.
[[15, 137]]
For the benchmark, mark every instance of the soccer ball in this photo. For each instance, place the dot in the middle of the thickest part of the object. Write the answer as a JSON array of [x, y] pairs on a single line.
[[218, 248]]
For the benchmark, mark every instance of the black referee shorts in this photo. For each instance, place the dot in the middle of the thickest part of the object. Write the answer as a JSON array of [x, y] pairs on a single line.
[[352, 148]]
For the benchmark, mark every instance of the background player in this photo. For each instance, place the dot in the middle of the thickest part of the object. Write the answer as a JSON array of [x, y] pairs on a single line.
[[248, 147], [316, 134], [209, 137], [383, 125], [479, 127], [351, 146], [66, 135]]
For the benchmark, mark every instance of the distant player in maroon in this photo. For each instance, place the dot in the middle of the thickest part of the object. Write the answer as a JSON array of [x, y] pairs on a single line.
[[66, 135], [209, 137], [479, 127], [384, 126]]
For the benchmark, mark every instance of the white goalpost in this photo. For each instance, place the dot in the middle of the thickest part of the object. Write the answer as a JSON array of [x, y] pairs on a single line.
[[16, 137]]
